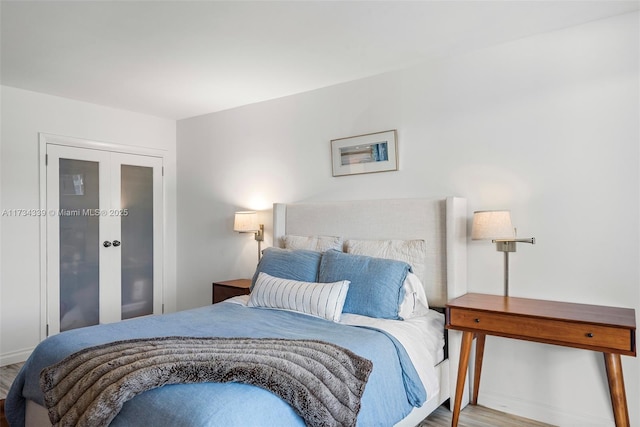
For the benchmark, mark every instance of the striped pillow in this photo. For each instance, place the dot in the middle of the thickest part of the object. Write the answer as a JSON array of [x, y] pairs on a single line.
[[323, 300]]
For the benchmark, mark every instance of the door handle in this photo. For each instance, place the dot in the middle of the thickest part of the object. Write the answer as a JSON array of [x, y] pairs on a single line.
[[106, 244], [116, 243]]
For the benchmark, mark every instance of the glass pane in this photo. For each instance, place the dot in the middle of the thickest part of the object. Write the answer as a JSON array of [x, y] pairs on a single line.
[[137, 240], [79, 244]]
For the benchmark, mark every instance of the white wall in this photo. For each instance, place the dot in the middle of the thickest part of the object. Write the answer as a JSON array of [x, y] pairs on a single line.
[[546, 126], [24, 114]]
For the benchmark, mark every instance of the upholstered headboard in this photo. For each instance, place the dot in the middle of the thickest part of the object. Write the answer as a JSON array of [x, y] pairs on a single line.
[[440, 222]]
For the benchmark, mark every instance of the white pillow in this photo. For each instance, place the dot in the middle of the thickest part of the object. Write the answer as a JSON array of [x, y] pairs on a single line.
[[323, 300], [415, 298], [413, 252], [312, 243]]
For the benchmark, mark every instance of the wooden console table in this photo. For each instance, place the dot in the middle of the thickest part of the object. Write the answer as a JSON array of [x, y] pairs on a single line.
[[609, 330]]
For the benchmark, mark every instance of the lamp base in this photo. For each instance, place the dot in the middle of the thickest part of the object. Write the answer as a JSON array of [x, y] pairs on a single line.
[[506, 271], [260, 239], [506, 246], [260, 233]]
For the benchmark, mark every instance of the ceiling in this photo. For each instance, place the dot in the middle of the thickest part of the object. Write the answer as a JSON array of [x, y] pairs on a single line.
[[179, 59]]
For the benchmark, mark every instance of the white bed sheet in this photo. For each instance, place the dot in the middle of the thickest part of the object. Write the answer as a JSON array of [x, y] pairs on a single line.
[[421, 336]]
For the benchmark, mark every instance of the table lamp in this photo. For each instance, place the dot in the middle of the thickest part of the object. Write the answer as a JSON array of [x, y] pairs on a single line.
[[247, 222], [496, 226]]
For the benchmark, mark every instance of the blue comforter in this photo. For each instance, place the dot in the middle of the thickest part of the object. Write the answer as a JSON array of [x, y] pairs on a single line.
[[392, 390]]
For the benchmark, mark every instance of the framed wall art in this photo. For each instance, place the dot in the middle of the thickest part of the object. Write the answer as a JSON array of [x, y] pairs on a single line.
[[372, 152]]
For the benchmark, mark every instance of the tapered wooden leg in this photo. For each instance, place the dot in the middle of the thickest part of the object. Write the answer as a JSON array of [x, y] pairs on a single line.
[[616, 387], [478, 367], [465, 350]]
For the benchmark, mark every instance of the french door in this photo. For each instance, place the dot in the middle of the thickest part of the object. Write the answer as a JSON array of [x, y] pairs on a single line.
[[104, 236]]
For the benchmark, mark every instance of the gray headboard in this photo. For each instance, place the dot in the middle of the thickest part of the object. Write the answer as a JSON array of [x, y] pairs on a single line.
[[442, 223]]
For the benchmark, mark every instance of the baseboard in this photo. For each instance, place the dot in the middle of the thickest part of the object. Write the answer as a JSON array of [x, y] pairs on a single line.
[[15, 356], [540, 412]]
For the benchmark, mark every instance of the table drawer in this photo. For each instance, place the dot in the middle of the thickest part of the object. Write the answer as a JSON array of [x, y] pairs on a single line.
[[545, 330]]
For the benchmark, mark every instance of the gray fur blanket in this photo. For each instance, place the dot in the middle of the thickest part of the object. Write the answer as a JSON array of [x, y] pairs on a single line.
[[321, 381]]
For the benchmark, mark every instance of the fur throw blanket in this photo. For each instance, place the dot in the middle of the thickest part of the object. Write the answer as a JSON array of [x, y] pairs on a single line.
[[321, 381]]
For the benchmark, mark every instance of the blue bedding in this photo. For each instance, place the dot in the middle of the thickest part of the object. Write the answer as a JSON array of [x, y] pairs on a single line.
[[391, 392]]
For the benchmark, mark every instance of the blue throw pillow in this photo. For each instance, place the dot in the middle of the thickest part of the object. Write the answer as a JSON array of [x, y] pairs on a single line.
[[299, 265], [376, 284]]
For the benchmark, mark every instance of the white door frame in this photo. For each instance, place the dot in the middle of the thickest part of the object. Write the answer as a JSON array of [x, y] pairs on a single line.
[[46, 139]]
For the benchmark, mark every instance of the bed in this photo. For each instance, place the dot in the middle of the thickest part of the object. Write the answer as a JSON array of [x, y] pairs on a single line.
[[399, 373]]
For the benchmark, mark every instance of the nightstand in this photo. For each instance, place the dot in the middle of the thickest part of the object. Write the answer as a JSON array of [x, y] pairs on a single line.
[[609, 330], [230, 288]]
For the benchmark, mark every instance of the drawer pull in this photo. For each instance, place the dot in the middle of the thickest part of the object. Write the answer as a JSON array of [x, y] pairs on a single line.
[[589, 335], [477, 320]]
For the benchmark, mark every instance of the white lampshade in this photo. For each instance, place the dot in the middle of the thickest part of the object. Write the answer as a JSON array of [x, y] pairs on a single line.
[[490, 225], [246, 222]]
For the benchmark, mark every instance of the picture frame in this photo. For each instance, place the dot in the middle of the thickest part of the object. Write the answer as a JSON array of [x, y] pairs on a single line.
[[368, 153]]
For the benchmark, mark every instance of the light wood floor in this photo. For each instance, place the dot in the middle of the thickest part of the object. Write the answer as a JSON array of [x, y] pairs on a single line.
[[478, 416], [7, 374], [471, 416]]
